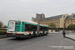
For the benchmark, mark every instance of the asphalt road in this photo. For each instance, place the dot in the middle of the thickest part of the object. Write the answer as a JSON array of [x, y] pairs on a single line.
[[49, 42]]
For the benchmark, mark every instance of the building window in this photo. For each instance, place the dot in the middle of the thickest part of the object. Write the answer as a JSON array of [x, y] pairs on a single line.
[[64, 16], [71, 21], [68, 21]]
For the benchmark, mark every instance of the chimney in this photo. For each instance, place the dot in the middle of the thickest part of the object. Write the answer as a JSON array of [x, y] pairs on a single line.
[[43, 15]]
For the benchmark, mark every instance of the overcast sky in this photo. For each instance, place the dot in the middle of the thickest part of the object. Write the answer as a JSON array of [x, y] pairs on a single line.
[[26, 9]]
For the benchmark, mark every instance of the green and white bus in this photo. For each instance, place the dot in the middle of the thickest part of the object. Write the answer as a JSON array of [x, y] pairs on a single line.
[[23, 29]]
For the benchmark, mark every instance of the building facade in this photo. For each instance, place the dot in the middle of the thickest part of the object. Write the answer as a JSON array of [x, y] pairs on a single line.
[[70, 20], [60, 21]]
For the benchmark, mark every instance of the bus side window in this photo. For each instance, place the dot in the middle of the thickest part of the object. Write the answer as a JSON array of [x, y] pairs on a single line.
[[25, 28]]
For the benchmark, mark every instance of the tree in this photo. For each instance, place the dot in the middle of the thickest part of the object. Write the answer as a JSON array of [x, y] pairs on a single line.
[[52, 25], [71, 26], [1, 24]]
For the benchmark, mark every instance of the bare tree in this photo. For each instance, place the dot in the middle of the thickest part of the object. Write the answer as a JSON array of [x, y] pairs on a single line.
[[1, 24], [4, 26], [52, 25]]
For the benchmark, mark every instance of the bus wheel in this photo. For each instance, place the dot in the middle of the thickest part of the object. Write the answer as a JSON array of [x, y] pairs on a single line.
[[46, 33], [29, 36], [40, 34], [18, 38]]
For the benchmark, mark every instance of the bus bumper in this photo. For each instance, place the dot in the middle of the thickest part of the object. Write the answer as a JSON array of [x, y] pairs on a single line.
[[17, 35]]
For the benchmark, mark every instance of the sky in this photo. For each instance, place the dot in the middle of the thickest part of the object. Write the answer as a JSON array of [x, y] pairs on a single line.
[[26, 9]]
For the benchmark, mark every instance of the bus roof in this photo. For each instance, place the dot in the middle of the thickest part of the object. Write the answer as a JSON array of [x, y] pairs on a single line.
[[30, 22], [43, 25]]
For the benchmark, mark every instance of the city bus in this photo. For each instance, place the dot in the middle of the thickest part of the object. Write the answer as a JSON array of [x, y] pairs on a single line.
[[23, 29]]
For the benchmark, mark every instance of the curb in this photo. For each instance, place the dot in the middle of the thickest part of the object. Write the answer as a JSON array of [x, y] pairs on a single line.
[[55, 32], [70, 38]]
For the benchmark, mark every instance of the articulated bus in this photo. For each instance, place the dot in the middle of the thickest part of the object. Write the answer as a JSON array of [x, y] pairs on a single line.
[[23, 29]]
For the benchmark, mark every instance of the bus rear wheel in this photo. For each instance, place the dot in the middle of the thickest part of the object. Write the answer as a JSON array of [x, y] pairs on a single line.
[[18, 38], [29, 36]]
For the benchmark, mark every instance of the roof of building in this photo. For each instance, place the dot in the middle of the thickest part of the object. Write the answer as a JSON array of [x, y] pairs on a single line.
[[53, 17], [74, 16], [39, 16], [70, 16]]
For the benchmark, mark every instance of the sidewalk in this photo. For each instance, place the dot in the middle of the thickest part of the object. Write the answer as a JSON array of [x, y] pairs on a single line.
[[55, 32], [71, 36]]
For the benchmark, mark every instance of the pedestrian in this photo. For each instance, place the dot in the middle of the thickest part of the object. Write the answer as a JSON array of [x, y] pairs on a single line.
[[72, 30], [64, 33]]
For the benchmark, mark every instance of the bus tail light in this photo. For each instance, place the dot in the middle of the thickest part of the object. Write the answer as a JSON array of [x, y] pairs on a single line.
[[18, 34], [8, 33]]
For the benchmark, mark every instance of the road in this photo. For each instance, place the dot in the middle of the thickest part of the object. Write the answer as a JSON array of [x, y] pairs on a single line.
[[49, 42]]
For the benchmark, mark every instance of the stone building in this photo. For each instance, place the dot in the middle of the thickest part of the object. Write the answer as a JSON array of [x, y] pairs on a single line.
[[70, 19], [60, 21]]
